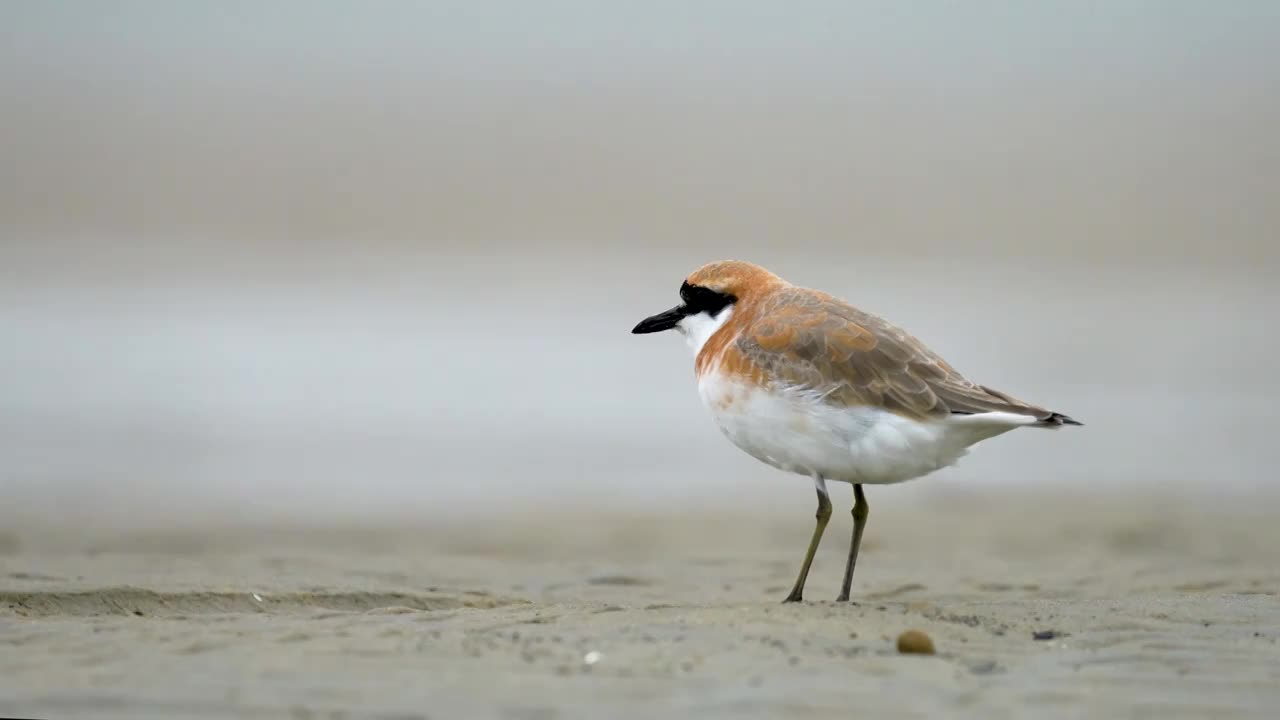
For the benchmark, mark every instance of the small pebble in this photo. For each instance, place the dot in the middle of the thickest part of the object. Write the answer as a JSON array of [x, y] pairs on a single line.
[[915, 642], [1044, 634]]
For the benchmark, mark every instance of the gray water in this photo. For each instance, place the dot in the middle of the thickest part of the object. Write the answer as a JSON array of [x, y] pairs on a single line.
[[508, 381]]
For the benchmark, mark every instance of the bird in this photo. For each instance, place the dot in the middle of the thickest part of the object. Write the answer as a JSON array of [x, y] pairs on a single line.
[[809, 384]]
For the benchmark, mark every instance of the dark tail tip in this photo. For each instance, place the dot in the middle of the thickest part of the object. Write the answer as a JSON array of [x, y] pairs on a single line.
[[1060, 419]]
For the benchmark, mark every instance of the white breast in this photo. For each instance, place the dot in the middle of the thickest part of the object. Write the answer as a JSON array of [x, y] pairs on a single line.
[[794, 430]]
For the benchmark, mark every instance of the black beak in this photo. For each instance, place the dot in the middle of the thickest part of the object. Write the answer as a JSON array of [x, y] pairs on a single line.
[[661, 321]]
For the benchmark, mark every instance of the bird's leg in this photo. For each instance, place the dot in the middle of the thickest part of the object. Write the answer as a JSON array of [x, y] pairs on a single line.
[[860, 512], [823, 515]]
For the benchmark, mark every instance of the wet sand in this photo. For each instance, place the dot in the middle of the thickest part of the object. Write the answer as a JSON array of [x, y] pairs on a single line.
[[1144, 607]]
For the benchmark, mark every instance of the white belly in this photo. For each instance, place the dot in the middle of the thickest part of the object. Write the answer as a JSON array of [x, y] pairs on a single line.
[[796, 432]]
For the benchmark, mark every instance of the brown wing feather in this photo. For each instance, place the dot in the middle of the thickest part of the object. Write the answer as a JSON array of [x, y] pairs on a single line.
[[810, 340]]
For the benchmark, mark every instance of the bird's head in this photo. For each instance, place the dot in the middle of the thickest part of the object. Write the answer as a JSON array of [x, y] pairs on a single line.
[[708, 297]]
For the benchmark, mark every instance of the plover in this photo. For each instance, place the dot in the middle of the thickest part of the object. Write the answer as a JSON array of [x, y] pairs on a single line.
[[809, 384]]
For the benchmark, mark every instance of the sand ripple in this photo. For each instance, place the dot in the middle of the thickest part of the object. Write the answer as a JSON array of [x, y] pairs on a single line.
[[142, 602]]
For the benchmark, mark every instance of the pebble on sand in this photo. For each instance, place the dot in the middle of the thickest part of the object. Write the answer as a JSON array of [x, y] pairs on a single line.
[[915, 642]]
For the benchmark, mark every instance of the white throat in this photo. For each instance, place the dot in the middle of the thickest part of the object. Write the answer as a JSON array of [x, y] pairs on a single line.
[[698, 329]]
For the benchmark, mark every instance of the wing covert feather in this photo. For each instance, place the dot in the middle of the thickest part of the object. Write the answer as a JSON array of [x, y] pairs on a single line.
[[811, 341]]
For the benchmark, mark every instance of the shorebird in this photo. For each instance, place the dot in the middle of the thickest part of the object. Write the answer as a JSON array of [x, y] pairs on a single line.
[[810, 384]]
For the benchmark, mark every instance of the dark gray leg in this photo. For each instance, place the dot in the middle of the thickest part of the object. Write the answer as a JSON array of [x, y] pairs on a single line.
[[860, 512], [823, 515]]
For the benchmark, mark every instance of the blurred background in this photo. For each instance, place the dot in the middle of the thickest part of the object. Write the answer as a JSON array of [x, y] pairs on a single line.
[[319, 259]]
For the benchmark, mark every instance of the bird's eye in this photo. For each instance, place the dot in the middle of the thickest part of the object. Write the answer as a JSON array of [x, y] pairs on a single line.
[[700, 299]]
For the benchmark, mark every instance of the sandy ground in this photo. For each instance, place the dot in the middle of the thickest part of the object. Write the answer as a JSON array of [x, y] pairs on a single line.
[[1169, 608]]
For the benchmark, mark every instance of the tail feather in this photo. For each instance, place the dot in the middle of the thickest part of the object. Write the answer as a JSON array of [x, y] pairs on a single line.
[[993, 401], [1041, 418], [1056, 419]]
